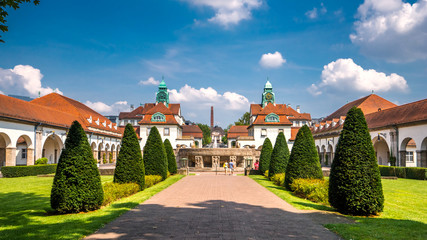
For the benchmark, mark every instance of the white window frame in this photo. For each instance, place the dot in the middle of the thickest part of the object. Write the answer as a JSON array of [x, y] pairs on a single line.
[[166, 131], [410, 156], [263, 132]]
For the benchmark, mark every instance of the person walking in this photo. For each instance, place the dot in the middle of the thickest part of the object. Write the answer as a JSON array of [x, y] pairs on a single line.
[[231, 166], [225, 167]]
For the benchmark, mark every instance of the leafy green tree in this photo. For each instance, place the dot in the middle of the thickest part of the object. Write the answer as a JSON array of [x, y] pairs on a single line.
[[155, 159], [129, 165], [279, 156], [265, 157], [15, 4], [244, 120], [355, 182], [77, 183], [206, 133], [304, 160], [171, 156]]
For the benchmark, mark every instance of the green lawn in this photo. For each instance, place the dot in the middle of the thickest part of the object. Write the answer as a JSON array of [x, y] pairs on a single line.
[[404, 216], [25, 211]]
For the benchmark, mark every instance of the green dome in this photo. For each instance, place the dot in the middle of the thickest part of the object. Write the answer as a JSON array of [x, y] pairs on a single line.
[[162, 84], [268, 85]]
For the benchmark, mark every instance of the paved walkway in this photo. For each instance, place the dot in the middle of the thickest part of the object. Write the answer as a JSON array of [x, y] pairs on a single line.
[[210, 206]]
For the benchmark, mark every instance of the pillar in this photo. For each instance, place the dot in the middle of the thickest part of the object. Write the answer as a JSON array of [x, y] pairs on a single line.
[[11, 156], [39, 144], [199, 161], [114, 156], [30, 156], [402, 158], [95, 155], [2, 156], [422, 158]]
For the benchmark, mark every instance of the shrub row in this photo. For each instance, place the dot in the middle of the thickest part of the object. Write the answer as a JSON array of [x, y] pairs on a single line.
[[151, 180], [315, 190], [278, 179], [22, 171], [404, 172], [115, 191]]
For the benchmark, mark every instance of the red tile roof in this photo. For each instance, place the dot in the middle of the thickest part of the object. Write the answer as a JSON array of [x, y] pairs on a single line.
[[279, 109], [237, 131], [294, 132], [169, 115], [135, 114], [192, 131]]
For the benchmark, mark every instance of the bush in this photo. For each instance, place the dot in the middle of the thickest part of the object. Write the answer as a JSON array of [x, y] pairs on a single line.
[[22, 171], [266, 174], [110, 157], [155, 160], [416, 173], [404, 172], [279, 156], [77, 183], [315, 190], [304, 160], [41, 161], [355, 181], [171, 157], [129, 164], [265, 157], [278, 179], [115, 191], [151, 180]]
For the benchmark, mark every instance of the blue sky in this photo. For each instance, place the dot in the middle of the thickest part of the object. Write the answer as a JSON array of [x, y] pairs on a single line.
[[317, 54]]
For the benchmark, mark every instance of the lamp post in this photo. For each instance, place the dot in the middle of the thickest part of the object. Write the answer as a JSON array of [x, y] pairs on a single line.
[[248, 163], [183, 163]]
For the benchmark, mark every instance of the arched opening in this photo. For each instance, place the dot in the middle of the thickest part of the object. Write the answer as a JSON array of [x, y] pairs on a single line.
[[408, 153], [107, 153], [423, 154], [117, 151], [101, 153], [24, 155], [382, 151], [94, 151], [323, 156], [330, 154], [318, 154], [113, 153], [233, 144], [4, 145], [52, 148]]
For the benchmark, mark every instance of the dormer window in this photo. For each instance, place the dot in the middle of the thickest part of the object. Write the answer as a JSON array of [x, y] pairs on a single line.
[[272, 117], [158, 117]]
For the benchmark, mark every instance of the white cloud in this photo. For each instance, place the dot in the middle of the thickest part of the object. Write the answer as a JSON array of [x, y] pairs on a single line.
[[24, 80], [392, 30], [272, 60], [149, 81], [229, 12], [312, 14], [115, 108], [344, 75], [204, 97]]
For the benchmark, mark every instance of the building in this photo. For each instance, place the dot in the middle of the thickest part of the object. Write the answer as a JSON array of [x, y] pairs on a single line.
[[267, 120], [194, 133], [398, 133], [35, 129]]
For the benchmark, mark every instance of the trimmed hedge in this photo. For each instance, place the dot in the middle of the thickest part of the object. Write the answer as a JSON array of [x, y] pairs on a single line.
[[171, 157], [279, 156], [355, 181], [115, 191], [129, 164], [77, 184], [151, 180], [22, 171], [155, 159], [315, 190], [404, 172], [265, 157], [304, 160]]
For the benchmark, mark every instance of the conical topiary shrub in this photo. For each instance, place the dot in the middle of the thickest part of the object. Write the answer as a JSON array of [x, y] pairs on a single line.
[[279, 156], [265, 157], [155, 160], [355, 182], [304, 160], [77, 183], [171, 156], [129, 165]]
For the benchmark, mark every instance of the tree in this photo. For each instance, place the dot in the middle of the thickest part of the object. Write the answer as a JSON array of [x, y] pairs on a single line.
[[155, 160], [15, 4], [244, 120], [129, 165], [304, 160], [265, 157], [77, 183], [171, 156], [206, 133], [279, 156], [355, 182]]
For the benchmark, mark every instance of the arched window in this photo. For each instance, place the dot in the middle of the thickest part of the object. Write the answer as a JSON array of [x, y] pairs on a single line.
[[158, 117], [272, 117]]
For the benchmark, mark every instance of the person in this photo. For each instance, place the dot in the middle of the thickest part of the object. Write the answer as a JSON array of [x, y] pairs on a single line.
[[231, 166], [225, 167], [256, 165]]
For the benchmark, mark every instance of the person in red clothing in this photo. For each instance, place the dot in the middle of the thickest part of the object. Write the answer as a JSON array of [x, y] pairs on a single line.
[[256, 165]]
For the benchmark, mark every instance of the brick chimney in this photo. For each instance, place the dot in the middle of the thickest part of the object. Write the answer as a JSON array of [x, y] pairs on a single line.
[[212, 117]]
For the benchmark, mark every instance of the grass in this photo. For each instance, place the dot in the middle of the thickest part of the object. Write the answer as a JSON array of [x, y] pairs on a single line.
[[26, 213], [404, 216]]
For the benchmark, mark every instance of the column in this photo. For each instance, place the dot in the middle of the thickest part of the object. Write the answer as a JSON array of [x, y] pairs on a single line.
[[402, 158], [30, 156], [422, 158], [114, 156], [95, 155], [11, 156], [199, 161]]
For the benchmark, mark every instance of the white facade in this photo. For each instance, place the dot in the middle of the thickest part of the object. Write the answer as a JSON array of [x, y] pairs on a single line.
[[171, 132]]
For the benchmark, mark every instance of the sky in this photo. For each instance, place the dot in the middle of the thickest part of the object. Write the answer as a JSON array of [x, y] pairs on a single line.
[[317, 54]]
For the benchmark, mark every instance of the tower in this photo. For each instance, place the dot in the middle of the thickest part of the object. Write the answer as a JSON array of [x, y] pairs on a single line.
[[212, 117], [162, 96], [268, 94]]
